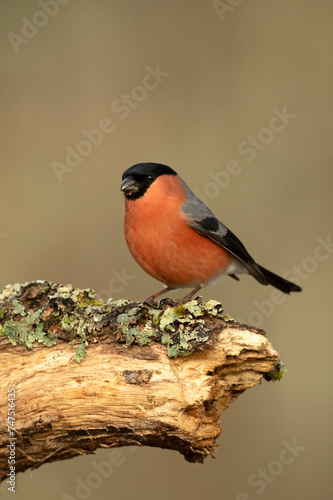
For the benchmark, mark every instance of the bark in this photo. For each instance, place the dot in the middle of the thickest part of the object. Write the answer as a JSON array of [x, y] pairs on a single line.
[[87, 374]]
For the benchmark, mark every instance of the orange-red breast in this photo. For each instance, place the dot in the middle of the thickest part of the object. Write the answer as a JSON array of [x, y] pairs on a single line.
[[176, 239]]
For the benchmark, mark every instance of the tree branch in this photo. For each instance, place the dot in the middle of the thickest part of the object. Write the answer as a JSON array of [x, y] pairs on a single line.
[[87, 374]]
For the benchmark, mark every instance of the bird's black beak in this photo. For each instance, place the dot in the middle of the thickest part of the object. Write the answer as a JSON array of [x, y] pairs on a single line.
[[129, 185]]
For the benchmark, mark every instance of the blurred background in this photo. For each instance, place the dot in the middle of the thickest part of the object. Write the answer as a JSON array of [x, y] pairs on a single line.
[[236, 96]]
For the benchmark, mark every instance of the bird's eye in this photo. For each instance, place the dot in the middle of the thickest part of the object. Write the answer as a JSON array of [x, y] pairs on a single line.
[[151, 177]]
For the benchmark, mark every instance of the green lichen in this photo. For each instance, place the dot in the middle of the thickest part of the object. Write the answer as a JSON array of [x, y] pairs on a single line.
[[98, 318], [185, 313], [65, 291], [18, 308], [155, 314], [195, 308], [168, 317], [28, 330], [10, 291], [173, 351], [119, 303], [88, 298], [123, 318], [182, 329], [130, 333], [133, 312], [68, 322], [276, 374], [145, 335], [79, 316], [166, 339], [48, 339], [187, 336], [83, 329], [84, 298], [213, 307], [180, 309], [80, 353], [226, 317], [182, 343]]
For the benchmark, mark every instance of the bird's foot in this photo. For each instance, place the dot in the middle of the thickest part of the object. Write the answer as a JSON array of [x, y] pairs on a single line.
[[150, 300], [189, 296]]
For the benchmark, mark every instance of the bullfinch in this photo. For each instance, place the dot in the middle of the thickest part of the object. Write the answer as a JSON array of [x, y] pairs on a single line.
[[176, 239]]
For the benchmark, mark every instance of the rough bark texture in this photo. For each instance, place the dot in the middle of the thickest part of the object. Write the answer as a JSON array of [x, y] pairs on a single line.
[[88, 374]]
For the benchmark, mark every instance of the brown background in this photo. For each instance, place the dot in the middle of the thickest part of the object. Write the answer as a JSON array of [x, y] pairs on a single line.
[[225, 77]]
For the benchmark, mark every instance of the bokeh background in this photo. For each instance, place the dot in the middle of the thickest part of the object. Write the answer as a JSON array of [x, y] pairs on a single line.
[[223, 70]]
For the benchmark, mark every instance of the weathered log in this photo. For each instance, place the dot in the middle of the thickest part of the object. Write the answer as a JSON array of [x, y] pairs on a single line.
[[78, 373]]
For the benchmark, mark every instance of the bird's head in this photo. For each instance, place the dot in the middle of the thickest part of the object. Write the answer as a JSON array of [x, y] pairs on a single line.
[[137, 179]]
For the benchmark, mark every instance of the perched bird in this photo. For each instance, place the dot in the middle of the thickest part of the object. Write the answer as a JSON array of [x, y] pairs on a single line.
[[176, 239]]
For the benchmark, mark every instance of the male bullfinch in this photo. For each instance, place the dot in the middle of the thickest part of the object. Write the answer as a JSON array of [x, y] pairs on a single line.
[[176, 239]]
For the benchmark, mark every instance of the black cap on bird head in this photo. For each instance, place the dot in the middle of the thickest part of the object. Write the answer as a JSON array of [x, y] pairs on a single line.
[[137, 179]]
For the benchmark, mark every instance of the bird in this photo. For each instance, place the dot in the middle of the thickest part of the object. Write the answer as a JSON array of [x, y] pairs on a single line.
[[176, 238]]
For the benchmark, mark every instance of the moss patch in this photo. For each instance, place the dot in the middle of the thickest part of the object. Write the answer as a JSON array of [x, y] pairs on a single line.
[[44, 313], [276, 374]]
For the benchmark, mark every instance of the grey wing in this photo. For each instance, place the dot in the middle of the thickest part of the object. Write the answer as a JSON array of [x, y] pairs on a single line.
[[199, 217]]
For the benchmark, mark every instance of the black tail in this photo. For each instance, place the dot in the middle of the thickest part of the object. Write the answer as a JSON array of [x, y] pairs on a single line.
[[279, 282]]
